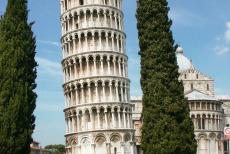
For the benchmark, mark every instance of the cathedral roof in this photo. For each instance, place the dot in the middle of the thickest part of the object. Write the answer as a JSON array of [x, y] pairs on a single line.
[[183, 62], [223, 97], [196, 95]]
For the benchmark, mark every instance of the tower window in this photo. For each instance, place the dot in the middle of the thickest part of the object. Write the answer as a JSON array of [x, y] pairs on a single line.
[[197, 76], [81, 2], [185, 76], [208, 87], [191, 86]]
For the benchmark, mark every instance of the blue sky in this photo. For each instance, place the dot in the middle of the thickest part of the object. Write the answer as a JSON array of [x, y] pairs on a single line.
[[202, 28]]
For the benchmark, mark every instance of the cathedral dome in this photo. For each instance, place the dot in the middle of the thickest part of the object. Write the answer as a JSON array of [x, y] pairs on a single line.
[[183, 62]]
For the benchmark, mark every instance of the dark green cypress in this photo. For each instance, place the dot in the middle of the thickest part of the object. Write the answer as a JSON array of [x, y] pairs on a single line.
[[17, 79], [167, 127]]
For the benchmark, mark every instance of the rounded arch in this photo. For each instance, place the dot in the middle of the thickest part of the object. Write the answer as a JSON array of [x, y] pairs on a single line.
[[85, 145], [115, 137], [100, 141]]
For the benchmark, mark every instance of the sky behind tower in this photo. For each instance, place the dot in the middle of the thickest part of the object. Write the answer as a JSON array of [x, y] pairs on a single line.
[[202, 28]]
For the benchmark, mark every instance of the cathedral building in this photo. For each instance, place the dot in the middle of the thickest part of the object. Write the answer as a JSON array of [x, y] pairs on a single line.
[[100, 117], [210, 113]]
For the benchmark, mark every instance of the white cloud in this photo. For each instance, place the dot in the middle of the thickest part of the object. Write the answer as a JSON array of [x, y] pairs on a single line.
[[223, 42], [222, 50], [227, 33], [53, 43], [47, 66]]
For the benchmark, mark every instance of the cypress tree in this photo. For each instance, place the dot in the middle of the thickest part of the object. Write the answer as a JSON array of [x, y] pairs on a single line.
[[167, 127], [17, 79]]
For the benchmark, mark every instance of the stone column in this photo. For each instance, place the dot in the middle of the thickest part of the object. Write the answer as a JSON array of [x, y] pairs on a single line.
[[100, 41], [126, 100], [98, 118], [128, 119], [73, 125], [74, 44], [98, 17], [87, 67], [91, 18], [113, 118], [117, 96], [66, 126], [122, 94], [102, 67], [110, 91], [80, 45], [78, 123], [96, 89], [81, 71], [119, 67], [106, 118], [89, 93], [70, 70], [70, 125], [122, 148], [108, 63], [118, 48], [83, 121], [116, 21], [94, 64], [75, 68], [112, 42], [107, 40], [91, 119], [124, 118], [119, 118], [103, 92], [93, 38], [114, 67], [86, 41], [123, 66], [85, 20], [105, 20], [119, 23], [92, 149], [65, 99], [82, 94], [111, 20]]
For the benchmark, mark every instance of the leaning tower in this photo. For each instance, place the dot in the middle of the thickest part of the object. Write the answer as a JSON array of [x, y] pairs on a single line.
[[98, 113]]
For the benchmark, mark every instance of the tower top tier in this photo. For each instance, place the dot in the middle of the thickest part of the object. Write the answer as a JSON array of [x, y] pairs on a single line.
[[70, 4]]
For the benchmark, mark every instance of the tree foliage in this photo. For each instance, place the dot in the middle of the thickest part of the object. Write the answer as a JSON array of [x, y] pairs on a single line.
[[167, 127], [17, 79], [57, 148]]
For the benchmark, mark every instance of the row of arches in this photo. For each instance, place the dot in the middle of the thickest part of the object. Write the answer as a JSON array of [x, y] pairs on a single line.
[[89, 18], [211, 143], [207, 121], [70, 4], [205, 105], [94, 65], [92, 41], [104, 117], [96, 91], [116, 143]]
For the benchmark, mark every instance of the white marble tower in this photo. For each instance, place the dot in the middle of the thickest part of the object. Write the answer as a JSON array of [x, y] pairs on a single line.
[[98, 112]]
